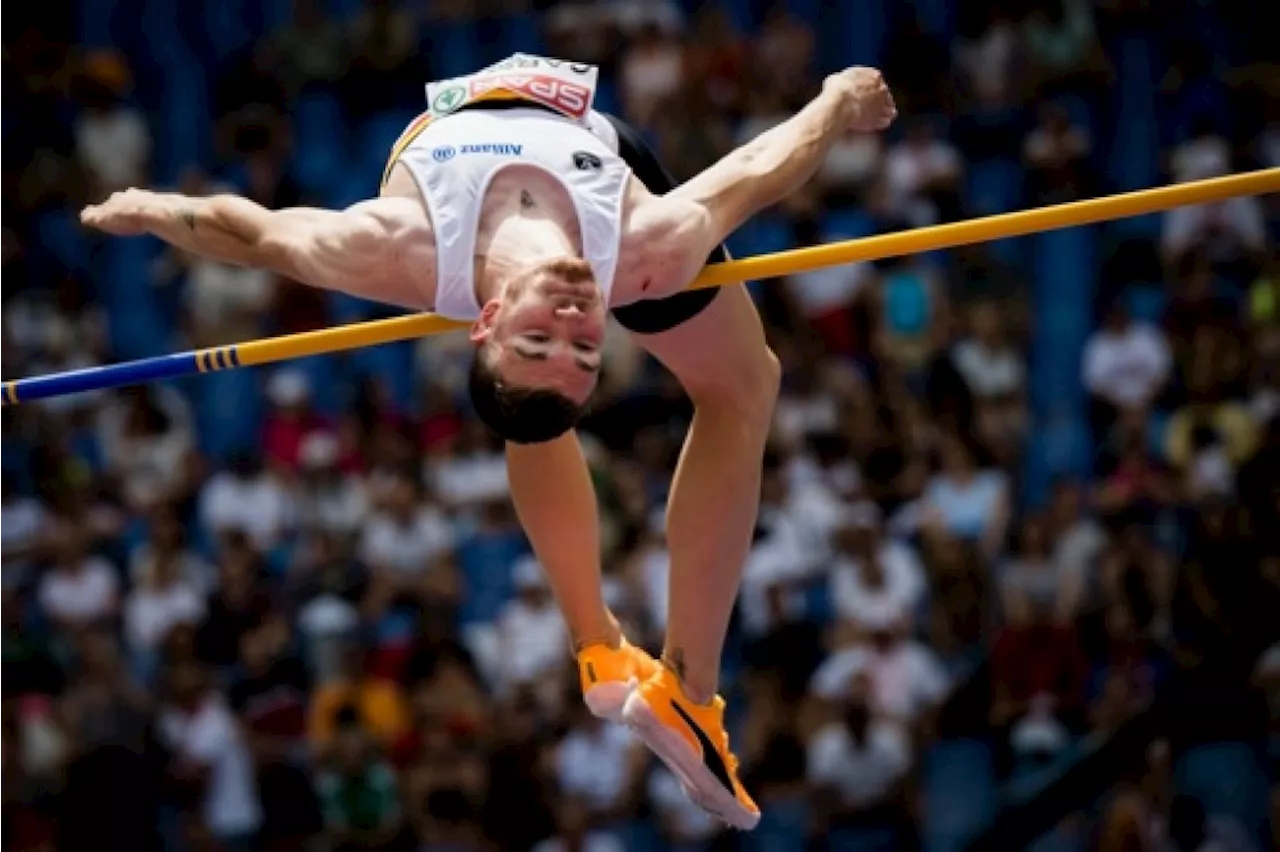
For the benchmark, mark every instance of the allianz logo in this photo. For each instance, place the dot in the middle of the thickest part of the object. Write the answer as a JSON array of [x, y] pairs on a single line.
[[448, 152]]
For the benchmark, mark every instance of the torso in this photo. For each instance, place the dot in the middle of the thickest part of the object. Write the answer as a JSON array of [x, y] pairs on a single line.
[[506, 222]]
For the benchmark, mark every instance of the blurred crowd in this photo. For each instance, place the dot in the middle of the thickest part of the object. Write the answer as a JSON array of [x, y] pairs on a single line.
[[1015, 491]]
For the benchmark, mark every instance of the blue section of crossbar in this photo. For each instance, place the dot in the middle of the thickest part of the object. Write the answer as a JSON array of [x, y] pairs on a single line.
[[110, 376]]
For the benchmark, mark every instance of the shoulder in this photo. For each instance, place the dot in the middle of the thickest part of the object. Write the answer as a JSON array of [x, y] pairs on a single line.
[[664, 245]]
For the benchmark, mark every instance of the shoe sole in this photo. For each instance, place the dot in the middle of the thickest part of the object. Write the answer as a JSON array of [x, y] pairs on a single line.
[[607, 700], [700, 785]]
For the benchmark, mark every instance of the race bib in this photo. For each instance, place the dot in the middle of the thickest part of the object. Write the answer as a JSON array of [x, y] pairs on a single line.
[[568, 88]]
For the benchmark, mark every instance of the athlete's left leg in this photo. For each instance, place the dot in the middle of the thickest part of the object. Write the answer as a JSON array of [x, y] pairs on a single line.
[[721, 357]]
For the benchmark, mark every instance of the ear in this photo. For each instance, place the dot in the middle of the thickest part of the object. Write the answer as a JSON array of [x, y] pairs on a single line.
[[482, 329]]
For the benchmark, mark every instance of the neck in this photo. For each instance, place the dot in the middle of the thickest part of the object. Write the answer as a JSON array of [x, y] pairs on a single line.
[[518, 244]]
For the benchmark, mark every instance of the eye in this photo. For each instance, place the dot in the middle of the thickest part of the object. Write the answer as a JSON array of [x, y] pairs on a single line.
[[537, 337], [584, 346]]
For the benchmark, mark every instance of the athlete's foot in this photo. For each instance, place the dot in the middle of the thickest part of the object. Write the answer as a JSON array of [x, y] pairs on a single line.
[[609, 675], [691, 740]]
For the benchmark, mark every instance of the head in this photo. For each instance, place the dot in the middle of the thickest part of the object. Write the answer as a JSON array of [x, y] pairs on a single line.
[[538, 352]]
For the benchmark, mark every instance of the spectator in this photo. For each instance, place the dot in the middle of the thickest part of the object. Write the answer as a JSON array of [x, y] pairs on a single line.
[[906, 680], [682, 823], [875, 583], [112, 139], [1062, 46], [168, 543], [599, 765], [531, 632], [652, 72], [245, 499], [211, 770], [862, 762], [1038, 677], [573, 832], [309, 48], [1078, 540], [290, 421], [380, 705], [1126, 366], [161, 598], [966, 501], [24, 524], [914, 314], [359, 792], [149, 445], [923, 174], [996, 374], [1056, 153], [328, 499], [79, 590], [1028, 579], [237, 603]]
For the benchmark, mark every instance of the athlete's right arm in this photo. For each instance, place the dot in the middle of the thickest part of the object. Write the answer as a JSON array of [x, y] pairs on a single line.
[[375, 249]]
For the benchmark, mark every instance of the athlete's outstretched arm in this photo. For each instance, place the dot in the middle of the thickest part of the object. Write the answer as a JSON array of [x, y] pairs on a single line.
[[671, 237], [378, 249]]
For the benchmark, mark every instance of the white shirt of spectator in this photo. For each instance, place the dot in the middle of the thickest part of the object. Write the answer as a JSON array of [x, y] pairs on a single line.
[[878, 608], [989, 372], [1242, 219], [853, 159], [906, 680], [211, 737], [21, 523], [532, 639], [115, 145], [908, 168], [690, 822], [81, 596], [406, 548], [217, 292], [594, 764], [830, 288], [475, 478], [592, 841], [340, 507], [150, 613], [260, 507], [864, 772], [1127, 367]]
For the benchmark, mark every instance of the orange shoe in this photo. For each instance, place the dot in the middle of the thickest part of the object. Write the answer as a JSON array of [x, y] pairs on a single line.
[[610, 674], [691, 740]]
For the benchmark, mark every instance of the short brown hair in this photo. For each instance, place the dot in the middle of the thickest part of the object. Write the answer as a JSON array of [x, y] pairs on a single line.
[[521, 415]]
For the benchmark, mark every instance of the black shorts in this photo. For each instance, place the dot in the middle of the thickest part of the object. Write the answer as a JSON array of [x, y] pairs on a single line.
[[657, 315]]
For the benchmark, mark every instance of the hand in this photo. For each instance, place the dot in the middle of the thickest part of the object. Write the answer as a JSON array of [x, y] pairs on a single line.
[[128, 213], [866, 97]]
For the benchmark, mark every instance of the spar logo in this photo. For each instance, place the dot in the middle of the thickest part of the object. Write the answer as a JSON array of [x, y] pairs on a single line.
[[564, 96]]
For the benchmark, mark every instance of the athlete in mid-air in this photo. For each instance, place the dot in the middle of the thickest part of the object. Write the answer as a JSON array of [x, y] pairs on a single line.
[[513, 205]]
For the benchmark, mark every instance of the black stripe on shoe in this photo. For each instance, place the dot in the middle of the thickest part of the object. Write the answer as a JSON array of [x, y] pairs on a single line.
[[710, 757]]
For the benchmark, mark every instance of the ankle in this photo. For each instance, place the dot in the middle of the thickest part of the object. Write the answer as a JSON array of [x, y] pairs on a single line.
[[609, 635], [695, 690]]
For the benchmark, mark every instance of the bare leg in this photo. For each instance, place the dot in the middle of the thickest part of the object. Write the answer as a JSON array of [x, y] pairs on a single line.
[[724, 363], [555, 501]]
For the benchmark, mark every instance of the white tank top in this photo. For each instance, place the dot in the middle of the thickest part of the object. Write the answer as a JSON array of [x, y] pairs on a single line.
[[457, 154]]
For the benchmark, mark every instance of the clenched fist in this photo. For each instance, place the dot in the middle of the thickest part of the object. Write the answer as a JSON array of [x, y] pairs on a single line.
[[133, 211], [865, 96]]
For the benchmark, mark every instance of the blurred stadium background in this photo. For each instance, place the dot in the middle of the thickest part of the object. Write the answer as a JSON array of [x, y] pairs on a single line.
[[1017, 570]]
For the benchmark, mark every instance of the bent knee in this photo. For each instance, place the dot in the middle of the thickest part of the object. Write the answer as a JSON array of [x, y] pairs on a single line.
[[748, 391]]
